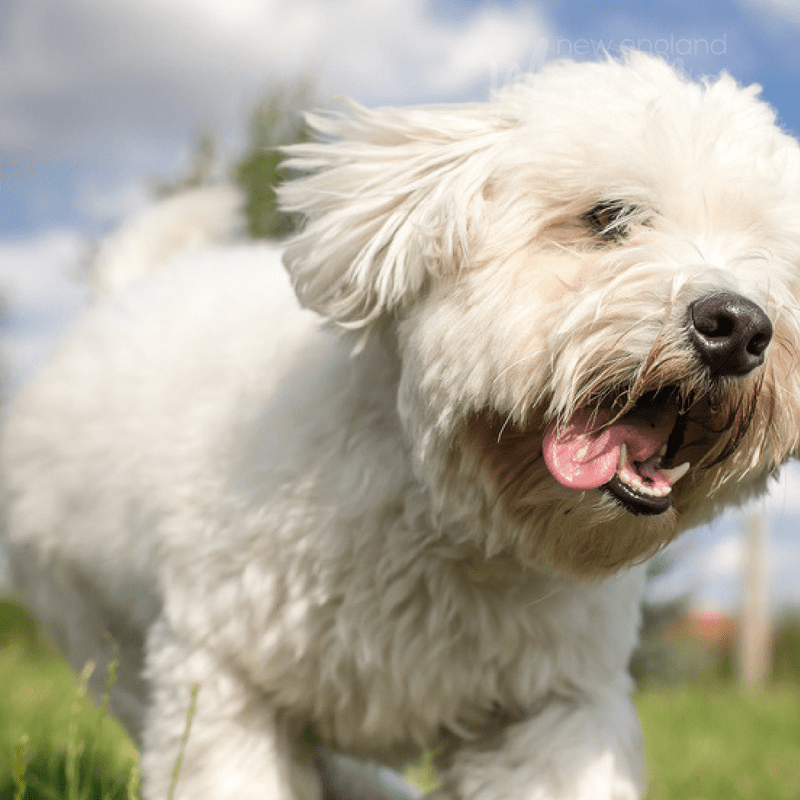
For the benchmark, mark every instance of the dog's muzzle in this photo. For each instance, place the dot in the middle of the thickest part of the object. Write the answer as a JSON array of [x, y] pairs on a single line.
[[627, 457], [631, 455]]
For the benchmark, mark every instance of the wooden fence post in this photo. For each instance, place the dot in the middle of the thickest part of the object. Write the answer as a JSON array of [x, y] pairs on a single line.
[[755, 635]]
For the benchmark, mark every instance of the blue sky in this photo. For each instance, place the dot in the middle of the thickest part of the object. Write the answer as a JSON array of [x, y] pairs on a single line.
[[101, 99], [754, 41]]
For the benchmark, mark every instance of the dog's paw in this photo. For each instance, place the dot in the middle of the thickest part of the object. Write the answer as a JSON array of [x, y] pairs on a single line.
[[568, 751]]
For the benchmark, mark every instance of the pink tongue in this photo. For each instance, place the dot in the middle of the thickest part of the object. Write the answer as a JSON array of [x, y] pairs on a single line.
[[582, 457]]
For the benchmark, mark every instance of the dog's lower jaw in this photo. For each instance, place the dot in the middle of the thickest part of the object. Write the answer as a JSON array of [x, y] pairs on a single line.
[[494, 475]]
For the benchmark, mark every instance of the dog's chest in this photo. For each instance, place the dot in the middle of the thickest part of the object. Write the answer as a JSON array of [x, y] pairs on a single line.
[[441, 652], [379, 636]]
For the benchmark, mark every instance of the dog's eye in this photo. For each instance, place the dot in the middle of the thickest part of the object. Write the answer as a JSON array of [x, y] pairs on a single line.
[[607, 219]]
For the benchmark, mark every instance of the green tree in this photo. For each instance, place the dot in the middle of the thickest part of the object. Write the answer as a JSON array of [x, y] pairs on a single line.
[[786, 648], [656, 660], [205, 168], [275, 122]]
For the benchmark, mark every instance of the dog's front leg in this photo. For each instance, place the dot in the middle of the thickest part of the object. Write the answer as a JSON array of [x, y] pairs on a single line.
[[571, 750], [236, 745]]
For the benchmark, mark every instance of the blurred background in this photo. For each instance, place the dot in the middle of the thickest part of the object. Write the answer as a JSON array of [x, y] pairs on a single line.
[[108, 104]]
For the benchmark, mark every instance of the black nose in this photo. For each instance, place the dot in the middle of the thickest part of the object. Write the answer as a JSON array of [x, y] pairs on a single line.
[[729, 332]]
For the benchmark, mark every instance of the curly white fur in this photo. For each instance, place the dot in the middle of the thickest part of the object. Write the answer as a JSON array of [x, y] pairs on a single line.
[[345, 531]]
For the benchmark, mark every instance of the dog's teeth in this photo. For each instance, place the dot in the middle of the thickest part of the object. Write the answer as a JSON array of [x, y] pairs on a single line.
[[675, 474], [623, 456], [663, 451], [635, 482]]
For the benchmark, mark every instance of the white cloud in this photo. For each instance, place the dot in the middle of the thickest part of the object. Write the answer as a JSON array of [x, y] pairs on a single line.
[[122, 88], [784, 493], [725, 557], [78, 69], [508, 42], [393, 51], [111, 205], [709, 562], [42, 291], [787, 10]]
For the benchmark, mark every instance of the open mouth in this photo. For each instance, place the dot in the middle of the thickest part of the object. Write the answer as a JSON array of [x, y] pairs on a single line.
[[630, 457]]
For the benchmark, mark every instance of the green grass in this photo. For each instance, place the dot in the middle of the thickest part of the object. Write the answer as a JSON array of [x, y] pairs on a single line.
[[713, 743], [54, 740], [703, 742]]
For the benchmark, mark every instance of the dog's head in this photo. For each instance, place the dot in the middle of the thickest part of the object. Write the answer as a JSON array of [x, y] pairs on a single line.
[[594, 285]]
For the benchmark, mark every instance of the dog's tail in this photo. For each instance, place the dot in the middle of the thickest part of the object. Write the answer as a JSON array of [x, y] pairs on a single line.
[[188, 221]]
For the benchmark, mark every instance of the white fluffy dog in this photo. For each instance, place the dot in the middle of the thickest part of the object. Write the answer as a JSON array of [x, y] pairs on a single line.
[[539, 337]]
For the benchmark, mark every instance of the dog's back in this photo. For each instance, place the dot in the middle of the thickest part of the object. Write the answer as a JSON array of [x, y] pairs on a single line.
[[101, 437]]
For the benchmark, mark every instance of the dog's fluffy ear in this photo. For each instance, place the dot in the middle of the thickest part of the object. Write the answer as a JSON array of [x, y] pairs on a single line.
[[390, 199]]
